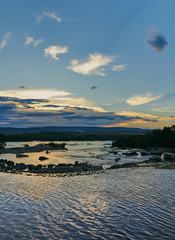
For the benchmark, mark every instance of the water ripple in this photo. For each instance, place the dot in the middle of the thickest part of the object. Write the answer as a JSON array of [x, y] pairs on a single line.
[[119, 204]]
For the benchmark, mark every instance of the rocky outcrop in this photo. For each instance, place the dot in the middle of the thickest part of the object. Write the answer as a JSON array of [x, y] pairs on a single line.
[[77, 167], [145, 163]]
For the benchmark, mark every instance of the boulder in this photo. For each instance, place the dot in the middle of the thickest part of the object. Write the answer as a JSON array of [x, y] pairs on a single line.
[[21, 155], [144, 153], [154, 159], [117, 159], [114, 152], [31, 167], [10, 163], [20, 166], [2, 165], [169, 157], [51, 166], [42, 158], [129, 154]]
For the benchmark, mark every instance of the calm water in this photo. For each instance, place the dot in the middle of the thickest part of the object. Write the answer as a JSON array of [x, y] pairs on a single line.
[[116, 204]]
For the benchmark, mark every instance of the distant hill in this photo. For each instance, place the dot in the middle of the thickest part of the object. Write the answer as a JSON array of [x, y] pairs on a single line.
[[70, 129]]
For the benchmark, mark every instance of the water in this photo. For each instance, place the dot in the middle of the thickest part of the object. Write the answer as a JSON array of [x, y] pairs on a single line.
[[114, 204], [97, 153]]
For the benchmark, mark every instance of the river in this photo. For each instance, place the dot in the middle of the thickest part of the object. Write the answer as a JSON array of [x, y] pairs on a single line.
[[127, 204]]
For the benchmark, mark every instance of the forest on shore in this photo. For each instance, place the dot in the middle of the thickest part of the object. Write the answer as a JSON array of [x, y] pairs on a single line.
[[63, 136], [156, 138]]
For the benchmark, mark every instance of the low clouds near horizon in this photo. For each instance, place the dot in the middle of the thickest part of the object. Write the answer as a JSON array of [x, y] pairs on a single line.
[[49, 107]]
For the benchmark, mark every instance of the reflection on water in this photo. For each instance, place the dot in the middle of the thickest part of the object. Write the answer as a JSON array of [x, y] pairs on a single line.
[[117, 204], [98, 153]]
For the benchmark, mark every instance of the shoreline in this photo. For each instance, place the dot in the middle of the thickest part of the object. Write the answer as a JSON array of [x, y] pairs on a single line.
[[77, 169], [62, 168], [159, 159]]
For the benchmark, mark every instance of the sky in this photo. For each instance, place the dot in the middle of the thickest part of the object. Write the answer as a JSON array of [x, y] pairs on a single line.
[[106, 63]]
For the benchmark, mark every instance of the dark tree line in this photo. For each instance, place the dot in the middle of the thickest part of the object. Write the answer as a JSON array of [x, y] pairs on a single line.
[[156, 138], [58, 136], [2, 141]]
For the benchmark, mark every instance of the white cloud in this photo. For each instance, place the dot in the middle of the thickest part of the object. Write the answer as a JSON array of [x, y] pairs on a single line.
[[49, 15], [52, 15], [5, 40], [53, 51], [139, 100], [39, 18], [30, 40], [37, 42], [34, 93], [92, 66], [119, 67]]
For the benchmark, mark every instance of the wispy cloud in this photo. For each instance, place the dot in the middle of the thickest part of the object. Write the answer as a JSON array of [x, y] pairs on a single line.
[[53, 51], [139, 100], [5, 41], [165, 109], [156, 40], [92, 66], [144, 116], [30, 40], [50, 15], [119, 67]]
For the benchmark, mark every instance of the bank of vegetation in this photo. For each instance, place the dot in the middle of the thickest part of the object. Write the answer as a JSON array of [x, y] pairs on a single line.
[[63, 136], [156, 139]]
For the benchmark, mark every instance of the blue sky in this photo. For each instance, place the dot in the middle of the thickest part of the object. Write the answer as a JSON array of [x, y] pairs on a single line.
[[87, 63]]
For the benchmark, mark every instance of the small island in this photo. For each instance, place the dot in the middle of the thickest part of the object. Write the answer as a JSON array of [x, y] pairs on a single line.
[[37, 148]]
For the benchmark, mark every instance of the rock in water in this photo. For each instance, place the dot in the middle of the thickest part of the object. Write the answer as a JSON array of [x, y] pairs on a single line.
[[42, 158], [21, 155]]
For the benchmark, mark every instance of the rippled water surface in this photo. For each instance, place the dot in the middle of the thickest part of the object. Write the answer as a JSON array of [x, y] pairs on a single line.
[[114, 204]]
